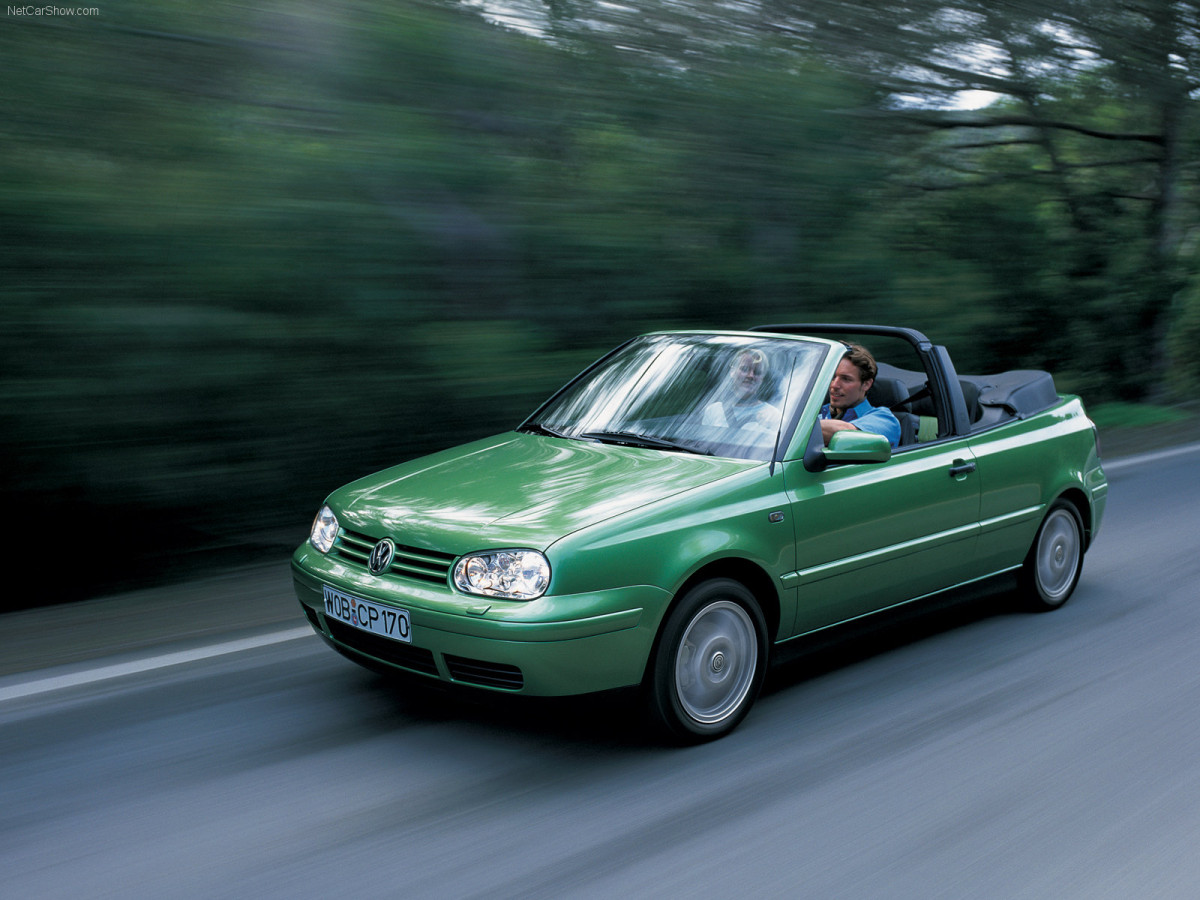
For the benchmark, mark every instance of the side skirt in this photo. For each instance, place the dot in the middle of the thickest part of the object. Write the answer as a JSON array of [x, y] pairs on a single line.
[[968, 592]]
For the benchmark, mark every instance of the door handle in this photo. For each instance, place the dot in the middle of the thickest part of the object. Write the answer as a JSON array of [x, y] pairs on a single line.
[[961, 468]]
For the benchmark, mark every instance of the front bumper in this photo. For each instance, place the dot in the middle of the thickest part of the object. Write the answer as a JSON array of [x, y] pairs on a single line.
[[553, 646]]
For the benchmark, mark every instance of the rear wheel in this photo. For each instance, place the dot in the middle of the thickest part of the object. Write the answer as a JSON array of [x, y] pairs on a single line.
[[1055, 560], [710, 662]]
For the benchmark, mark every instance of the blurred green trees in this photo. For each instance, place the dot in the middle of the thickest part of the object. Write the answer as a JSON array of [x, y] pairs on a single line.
[[250, 252]]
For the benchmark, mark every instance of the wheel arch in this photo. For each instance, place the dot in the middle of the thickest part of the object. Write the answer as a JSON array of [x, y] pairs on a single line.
[[745, 572], [1079, 499]]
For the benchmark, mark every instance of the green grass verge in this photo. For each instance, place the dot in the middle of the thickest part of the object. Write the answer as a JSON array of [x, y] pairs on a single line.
[[1136, 415]]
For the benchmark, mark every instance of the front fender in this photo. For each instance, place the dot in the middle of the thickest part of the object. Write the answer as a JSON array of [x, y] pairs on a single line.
[[743, 518]]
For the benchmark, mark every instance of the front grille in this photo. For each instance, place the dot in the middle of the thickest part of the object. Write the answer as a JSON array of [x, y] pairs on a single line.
[[404, 655], [488, 674], [431, 566]]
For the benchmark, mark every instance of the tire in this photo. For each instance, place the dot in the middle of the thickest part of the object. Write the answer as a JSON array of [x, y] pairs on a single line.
[[1055, 560], [709, 664]]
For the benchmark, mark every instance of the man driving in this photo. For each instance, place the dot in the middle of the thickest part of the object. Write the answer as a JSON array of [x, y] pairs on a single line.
[[848, 407]]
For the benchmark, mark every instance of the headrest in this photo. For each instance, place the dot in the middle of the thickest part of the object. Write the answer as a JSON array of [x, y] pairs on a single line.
[[888, 392]]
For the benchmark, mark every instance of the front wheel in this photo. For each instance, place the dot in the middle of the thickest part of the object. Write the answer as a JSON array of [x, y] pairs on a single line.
[[1055, 560], [710, 662]]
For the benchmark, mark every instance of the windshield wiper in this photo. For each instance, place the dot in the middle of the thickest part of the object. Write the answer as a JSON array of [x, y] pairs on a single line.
[[539, 428], [633, 439]]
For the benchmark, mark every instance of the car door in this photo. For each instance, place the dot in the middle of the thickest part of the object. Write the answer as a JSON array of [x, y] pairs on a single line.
[[872, 535], [1016, 463]]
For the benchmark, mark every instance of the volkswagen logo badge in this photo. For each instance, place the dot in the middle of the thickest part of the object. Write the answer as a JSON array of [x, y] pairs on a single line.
[[381, 557]]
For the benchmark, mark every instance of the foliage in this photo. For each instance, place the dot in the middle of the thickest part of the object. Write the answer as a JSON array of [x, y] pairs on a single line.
[[253, 251], [1136, 415], [1088, 143], [1182, 343]]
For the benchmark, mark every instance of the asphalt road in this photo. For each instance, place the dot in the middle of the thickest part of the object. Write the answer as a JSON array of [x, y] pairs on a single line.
[[972, 752]]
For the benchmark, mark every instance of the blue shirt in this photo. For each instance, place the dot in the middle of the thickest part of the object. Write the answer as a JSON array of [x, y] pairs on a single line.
[[872, 419]]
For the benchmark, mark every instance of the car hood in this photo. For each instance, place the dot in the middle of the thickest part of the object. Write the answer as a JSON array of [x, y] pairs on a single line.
[[518, 489]]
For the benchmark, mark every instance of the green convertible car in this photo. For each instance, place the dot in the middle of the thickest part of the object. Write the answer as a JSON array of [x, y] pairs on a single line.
[[680, 512]]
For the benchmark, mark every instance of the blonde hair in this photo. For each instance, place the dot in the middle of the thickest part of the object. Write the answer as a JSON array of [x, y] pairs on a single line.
[[759, 358]]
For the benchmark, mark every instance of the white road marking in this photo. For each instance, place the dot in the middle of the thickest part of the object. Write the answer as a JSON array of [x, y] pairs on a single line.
[[1144, 458], [117, 670]]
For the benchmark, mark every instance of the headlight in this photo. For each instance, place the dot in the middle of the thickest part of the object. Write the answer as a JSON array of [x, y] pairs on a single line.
[[324, 530], [513, 574]]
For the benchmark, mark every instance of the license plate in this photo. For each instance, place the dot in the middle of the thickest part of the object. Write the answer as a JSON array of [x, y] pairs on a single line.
[[366, 615]]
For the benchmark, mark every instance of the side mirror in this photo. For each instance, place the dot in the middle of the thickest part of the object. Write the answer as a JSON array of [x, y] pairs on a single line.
[[814, 451], [858, 447]]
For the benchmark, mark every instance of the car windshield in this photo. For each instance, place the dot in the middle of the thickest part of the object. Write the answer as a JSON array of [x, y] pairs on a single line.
[[724, 395]]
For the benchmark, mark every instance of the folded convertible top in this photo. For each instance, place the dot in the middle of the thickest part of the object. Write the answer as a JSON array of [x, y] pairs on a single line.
[[1020, 393]]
